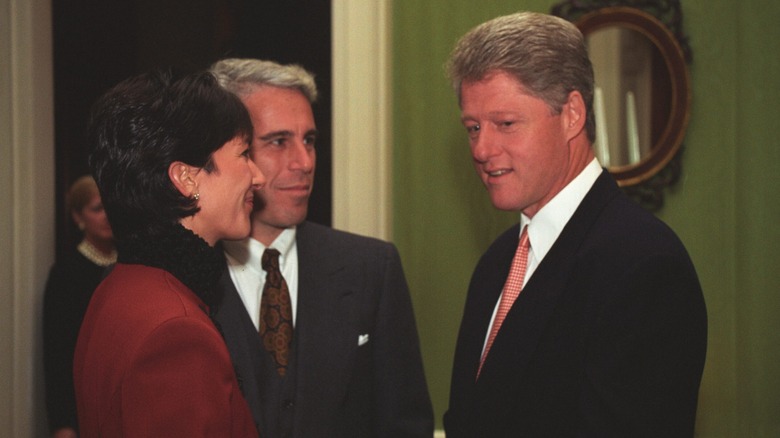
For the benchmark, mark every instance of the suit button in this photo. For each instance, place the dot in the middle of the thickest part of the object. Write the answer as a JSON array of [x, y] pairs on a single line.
[[288, 404]]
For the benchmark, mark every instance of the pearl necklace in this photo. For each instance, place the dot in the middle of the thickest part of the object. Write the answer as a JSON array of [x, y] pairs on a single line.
[[92, 254]]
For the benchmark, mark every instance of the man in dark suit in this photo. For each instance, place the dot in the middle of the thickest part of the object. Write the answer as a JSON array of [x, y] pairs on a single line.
[[353, 367], [606, 333]]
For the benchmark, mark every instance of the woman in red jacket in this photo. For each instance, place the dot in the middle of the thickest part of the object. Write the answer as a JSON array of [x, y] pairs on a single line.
[[170, 157]]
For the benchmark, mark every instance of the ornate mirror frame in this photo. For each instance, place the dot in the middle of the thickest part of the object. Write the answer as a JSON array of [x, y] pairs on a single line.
[[661, 23]]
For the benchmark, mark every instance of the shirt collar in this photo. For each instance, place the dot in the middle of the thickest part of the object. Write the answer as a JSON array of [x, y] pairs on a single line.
[[547, 224], [284, 243], [249, 252]]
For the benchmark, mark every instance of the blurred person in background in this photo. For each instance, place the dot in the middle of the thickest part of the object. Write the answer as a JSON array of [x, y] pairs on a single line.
[[69, 287]]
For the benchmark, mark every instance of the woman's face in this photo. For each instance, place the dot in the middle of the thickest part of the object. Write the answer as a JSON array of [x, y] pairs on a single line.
[[226, 194], [93, 221]]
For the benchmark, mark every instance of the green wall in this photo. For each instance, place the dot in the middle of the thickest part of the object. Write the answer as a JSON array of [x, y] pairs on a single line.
[[722, 208]]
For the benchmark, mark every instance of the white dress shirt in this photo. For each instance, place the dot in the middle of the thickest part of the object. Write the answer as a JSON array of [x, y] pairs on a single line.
[[547, 224], [244, 259]]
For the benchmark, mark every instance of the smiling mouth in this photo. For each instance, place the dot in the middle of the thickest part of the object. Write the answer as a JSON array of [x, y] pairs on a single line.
[[300, 188], [498, 172]]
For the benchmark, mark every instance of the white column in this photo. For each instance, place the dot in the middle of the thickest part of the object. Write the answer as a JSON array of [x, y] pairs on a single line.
[[26, 208], [362, 156]]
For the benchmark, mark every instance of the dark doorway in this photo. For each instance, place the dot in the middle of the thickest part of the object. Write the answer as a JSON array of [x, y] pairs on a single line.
[[97, 43]]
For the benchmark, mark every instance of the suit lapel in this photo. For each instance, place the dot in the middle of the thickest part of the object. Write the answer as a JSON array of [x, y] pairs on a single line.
[[519, 335], [488, 279], [325, 301]]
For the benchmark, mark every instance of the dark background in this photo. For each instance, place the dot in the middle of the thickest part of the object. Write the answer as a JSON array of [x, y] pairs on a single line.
[[98, 43]]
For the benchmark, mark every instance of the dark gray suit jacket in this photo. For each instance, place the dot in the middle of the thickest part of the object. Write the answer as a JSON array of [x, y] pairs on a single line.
[[349, 287], [607, 339]]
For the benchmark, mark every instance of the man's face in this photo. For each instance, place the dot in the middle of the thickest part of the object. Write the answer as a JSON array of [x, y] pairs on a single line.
[[283, 150], [519, 146]]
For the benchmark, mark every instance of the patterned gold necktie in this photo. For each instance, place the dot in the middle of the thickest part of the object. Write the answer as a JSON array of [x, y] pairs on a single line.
[[276, 329]]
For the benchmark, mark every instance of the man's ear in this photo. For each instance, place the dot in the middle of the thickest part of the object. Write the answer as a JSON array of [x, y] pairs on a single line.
[[574, 115], [182, 176]]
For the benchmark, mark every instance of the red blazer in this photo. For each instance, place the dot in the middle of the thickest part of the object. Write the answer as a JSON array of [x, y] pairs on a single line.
[[149, 362]]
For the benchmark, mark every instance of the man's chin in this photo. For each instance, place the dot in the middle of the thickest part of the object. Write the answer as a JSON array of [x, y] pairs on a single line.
[[296, 219], [500, 203]]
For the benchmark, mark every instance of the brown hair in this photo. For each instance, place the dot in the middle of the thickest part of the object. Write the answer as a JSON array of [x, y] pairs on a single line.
[[546, 54], [80, 193]]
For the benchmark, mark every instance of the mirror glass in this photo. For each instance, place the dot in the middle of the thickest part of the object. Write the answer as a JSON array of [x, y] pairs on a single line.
[[632, 88]]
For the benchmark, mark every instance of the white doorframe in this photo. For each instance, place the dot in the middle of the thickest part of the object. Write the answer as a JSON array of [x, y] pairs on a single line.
[[362, 108], [26, 208]]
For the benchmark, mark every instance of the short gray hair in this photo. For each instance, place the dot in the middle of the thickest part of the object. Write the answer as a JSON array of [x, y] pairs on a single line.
[[546, 54], [243, 76]]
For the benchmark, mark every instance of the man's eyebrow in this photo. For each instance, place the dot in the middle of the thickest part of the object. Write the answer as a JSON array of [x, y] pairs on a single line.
[[276, 134], [286, 134]]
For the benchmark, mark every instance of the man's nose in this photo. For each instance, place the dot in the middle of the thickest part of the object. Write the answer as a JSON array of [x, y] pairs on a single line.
[[302, 157], [258, 178], [484, 146]]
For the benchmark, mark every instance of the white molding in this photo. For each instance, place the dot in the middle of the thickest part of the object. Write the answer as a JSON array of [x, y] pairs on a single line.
[[362, 160], [26, 205]]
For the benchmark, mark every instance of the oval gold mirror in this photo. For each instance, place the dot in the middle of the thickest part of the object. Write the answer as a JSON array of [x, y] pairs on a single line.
[[642, 94]]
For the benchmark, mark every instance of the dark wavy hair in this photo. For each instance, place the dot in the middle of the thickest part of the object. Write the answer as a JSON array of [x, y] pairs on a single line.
[[145, 123]]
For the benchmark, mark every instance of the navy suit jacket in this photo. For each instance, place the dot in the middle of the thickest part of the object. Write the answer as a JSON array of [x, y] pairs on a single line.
[[607, 338], [350, 288]]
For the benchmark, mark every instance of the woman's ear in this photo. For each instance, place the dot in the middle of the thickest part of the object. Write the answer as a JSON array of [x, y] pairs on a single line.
[[181, 175], [78, 220]]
